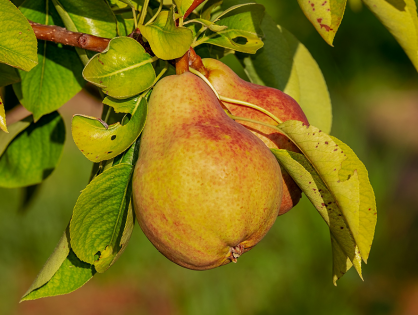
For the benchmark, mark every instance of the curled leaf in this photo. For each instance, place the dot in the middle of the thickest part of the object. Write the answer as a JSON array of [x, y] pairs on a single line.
[[99, 142], [123, 70]]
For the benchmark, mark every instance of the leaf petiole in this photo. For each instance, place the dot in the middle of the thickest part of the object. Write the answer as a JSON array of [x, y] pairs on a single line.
[[143, 12], [156, 14]]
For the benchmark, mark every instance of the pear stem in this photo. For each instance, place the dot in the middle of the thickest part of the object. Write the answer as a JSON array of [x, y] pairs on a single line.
[[254, 121], [233, 101], [204, 79]]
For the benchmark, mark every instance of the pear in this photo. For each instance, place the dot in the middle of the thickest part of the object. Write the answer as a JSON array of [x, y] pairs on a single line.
[[205, 189], [229, 84]]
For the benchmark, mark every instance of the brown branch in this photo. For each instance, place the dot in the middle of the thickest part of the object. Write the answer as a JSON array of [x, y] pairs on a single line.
[[63, 36], [195, 4]]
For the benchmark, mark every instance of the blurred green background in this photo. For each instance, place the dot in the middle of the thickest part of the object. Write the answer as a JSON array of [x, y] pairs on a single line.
[[373, 88]]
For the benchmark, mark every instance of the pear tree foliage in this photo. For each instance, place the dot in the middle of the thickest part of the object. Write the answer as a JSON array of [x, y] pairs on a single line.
[[145, 41]]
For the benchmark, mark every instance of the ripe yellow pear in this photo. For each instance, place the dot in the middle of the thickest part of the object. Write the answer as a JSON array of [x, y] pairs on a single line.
[[229, 84], [205, 188]]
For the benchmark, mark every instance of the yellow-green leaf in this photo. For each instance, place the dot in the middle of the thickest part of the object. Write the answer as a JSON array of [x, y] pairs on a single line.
[[243, 30], [99, 142], [18, 44], [325, 15], [367, 210], [123, 70], [400, 18], [310, 182], [183, 6], [167, 40], [344, 176], [3, 125]]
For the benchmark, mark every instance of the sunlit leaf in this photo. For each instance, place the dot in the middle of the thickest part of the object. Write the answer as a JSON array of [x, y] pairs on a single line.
[[99, 143], [368, 211], [3, 125], [183, 6], [325, 15], [99, 216], [344, 176], [243, 29], [57, 77], [33, 154], [52, 265], [17, 41], [123, 70], [167, 40], [400, 18], [71, 275], [208, 7], [323, 199], [91, 17]]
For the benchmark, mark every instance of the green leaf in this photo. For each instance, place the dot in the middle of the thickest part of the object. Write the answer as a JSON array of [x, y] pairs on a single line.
[[100, 215], [313, 91], [265, 68], [57, 77], [14, 130], [400, 18], [3, 125], [183, 6], [99, 143], [70, 276], [17, 40], [8, 75], [325, 16], [210, 25], [243, 29], [125, 26], [167, 40], [208, 7], [93, 17], [123, 70], [52, 265], [310, 182], [33, 154]]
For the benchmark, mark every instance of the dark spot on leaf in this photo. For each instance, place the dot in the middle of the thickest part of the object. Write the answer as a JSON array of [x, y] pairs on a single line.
[[335, 149], [326, 142], [341, 228], [240, 40], [109, 152], [113, 137]]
